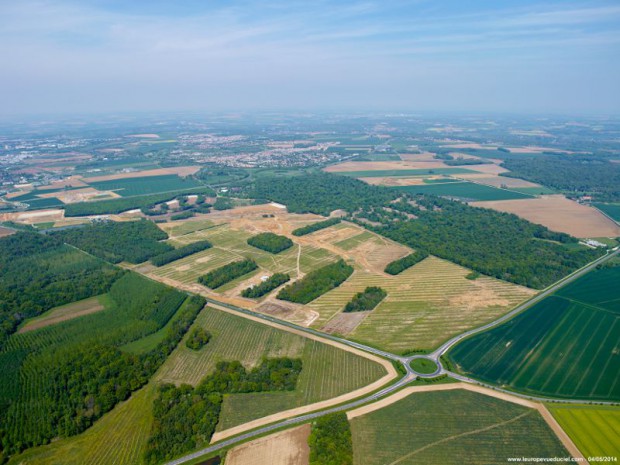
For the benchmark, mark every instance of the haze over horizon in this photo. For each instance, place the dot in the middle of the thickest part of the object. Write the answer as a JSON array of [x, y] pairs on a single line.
[[112, 56]]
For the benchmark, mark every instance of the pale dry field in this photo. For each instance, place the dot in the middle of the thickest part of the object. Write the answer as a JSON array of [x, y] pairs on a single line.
[[424, 156], [6, 231], [178, 170], [470, 145], [384, 165], [72, 181], [80, 195], [490, 168], [558, 214], [288, 447], [395, 181], [64, 313], [498, 181], [38, 216]]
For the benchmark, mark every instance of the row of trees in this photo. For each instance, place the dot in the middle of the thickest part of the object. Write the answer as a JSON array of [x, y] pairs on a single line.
[[131, 241], [224, 274], [330, 440], [400, 265], [270, 242], [316, 283], [275, 280], [366, 300], [184, 251], [316, 226], [186, 417]]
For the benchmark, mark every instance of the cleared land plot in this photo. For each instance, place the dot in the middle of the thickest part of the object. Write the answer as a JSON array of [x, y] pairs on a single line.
[[451, 427], [594, 430], [288, 447], [564, 346], [499, 181], [610, 209], [465, 190], [371, 166], [425, 305], [177, 170], [64, 313], [406, 172], [127, 187], [559, 214]]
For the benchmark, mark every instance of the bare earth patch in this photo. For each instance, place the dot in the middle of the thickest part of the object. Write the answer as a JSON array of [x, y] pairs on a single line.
[[344, 323], [559, 214], [80, 195], [394, 181], [178, 170], [288, 447], [288, 311], [384, 165], [64, 313], [498, 181], [6, 231]]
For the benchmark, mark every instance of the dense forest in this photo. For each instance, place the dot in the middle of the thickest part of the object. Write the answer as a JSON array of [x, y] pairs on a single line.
[[115, 206], [322, 193], [330, 441], [270, 242], [84, 356], [130, 241], [316, 226], [366, 300], [197, 338], [186, 417], [39, 272], [316, 283], [176, 254], [227, 273], [275, 280], [400, 265], [575, 175], [497, 244]]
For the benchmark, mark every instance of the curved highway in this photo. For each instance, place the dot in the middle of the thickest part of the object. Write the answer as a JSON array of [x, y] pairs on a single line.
[[405, 361]]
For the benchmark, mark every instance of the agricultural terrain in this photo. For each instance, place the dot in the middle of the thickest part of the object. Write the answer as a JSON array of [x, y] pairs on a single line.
[[451, 427], [593, 429], [289, 447], [564, 346]]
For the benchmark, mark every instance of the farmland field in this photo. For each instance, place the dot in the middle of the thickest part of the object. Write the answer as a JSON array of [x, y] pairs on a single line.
[[327, 371], [283, 448], [63, 313], [405, 172], [451, 427], [426, 304], [465, 191], [610, 209], [594, 429], [564, 346], [128, 187]]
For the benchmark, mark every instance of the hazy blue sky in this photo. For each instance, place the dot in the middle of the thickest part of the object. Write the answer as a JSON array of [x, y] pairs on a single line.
[[456, 55]]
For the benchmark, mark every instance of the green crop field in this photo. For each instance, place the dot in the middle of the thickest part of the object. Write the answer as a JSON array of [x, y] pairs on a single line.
[[119, 437], [405, 172], [128, 187], [610, 209], [426, 304], [352, 242], [465, 190], [327, 371], [565, 346], [451, 427], [230, 245], [188, 227], [594, 429]]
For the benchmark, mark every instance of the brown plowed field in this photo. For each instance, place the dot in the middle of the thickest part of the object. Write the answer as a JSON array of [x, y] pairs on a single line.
[[288, 447]]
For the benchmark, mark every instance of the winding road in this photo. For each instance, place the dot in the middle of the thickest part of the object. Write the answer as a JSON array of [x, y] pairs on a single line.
[[410, 374]]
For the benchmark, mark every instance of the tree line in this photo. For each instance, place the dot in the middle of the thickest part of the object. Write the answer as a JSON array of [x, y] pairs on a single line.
[[181, 252], [270, 242], [186, 417], [316, 226], [316, 283], [366, 300], [227, 273], [330, 440], [275, 280], [401, 264]]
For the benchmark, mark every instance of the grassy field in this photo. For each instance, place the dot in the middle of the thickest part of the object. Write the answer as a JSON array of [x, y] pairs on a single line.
[[465, 190], [594, 430], [128, 187], [565, 346], [610, 209], [126, 428], [64, 313], [187, 227], [404, 172], [451, 427], [230, 245], [426, 304]]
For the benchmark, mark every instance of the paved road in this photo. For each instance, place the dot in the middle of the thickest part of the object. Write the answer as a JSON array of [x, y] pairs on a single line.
[[407, 378]]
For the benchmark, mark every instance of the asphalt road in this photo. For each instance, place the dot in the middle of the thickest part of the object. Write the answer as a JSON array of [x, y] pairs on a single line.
[[411, 374]]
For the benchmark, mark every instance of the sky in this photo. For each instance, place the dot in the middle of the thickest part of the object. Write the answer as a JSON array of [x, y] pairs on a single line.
[[506, 56]]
